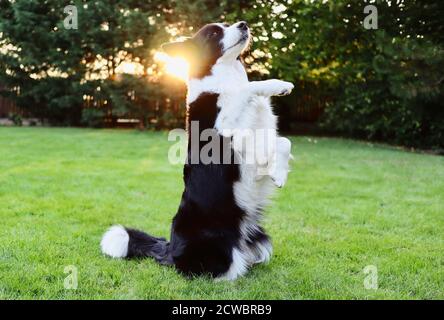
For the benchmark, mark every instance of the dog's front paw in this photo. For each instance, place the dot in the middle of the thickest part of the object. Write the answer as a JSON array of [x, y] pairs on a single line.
[[286, 88], [279, 87], [280, 178]]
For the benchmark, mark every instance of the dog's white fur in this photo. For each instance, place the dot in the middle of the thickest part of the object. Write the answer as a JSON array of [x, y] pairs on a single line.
[[115, 242], [246, 105]]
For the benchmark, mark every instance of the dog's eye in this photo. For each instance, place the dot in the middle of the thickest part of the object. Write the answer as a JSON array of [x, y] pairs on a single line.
[[215, 33]]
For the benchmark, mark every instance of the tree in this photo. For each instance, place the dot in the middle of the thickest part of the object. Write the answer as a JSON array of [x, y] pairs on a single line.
[[382, 84], [54, 69]]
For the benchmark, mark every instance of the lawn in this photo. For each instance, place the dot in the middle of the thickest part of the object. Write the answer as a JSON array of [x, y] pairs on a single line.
[[347, 205]]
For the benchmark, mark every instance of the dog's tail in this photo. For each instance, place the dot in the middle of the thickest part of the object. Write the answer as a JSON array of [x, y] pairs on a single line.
[[121, 242]]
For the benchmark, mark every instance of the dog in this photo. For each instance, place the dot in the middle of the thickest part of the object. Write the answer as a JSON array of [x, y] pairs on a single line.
[[217, 230]]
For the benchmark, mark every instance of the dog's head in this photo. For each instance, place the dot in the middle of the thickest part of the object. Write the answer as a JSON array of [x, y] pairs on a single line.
[[214, 43]]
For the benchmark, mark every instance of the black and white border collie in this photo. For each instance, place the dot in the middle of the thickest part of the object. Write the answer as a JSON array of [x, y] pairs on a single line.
[[216, 230]]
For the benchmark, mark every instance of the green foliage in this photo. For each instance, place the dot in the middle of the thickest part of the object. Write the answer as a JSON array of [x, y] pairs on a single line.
[[55, 68], [377, 84], [135, 97], [92, 117], [392, 90], [16, 119]]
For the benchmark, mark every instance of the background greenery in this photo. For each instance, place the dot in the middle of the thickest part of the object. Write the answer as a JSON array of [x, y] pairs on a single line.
[[384, 84], [346, 205]]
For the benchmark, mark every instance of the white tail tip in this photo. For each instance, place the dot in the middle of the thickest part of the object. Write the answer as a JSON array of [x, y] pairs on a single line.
[[115, 242]]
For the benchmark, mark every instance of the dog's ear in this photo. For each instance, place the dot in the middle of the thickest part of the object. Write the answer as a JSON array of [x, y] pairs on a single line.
[[183, 48]]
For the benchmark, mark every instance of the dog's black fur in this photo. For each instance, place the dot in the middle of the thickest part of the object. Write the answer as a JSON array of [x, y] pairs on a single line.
[[206, 226]]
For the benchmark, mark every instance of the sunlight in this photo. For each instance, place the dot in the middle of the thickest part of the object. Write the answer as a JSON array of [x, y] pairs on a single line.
[[129, 67], [175, 66]]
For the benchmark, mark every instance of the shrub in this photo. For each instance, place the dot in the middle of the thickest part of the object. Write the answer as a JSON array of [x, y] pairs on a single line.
[[398, 99], [93, 118], [16, 119]]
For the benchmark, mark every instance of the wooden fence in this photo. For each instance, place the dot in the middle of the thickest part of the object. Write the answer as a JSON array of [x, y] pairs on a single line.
[[8, 107], [298, 108]]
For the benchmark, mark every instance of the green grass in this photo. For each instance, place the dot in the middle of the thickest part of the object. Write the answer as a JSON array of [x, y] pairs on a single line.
[[347, 205]]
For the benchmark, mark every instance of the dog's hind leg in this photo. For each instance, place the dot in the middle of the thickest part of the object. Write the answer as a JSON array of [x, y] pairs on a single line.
[[259, 246], [280, 169]]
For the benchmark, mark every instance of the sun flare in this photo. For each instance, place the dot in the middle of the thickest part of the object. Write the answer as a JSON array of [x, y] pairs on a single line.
[[129, 67], [175, 66]]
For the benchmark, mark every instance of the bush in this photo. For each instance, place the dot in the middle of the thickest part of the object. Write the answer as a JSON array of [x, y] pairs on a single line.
[[93, 118], [399, 97], [16, 119]]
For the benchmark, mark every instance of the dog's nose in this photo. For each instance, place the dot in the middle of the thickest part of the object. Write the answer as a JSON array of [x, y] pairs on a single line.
[[242, 25]]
